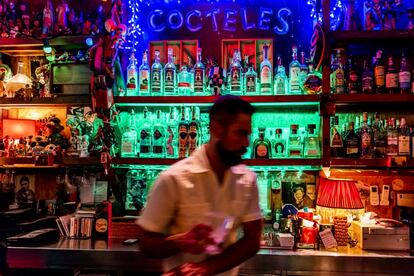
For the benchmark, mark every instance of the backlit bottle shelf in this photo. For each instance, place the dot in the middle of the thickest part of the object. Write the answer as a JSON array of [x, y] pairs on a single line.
[[207, 100], [313, 162]]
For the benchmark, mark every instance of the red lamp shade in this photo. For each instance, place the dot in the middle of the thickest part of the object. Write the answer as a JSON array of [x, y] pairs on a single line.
[[339, 194], [16, 128]]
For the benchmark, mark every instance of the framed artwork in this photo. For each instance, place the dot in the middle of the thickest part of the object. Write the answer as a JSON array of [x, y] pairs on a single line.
[[25, 189]]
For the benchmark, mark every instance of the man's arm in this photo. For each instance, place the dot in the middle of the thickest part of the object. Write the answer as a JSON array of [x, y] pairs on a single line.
[[238, 252], [155, 245]]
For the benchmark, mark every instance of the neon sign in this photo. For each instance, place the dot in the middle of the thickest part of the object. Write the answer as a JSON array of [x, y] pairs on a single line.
[[233, 20]]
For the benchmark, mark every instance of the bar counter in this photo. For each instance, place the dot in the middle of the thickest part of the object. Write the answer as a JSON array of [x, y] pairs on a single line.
[[113, 255]]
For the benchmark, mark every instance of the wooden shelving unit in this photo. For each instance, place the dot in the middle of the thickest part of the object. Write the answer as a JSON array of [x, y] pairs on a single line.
[[61, 100], [28, 162]]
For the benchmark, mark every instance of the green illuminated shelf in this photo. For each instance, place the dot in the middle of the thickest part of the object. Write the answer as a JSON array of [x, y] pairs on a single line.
[[266, 100], [315, 162], [72, 100]]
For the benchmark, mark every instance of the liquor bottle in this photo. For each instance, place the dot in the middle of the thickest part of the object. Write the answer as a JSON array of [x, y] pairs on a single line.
[[353, 82], [158, 137], [262, 145], [391, 77], [183, 130], [295, 147], [145, 134], [313, 82], [144, 76], [351, 142], [303, 70], [266, 73], [365, 134], [235, 76], [379, 73], [404, 76], [250, 82], [172, 134], [336, 139], [294, 71], [184, 81], [379, 134], [170, 77], [412, 142], [199, 75], [392, 138], [403, 138], [311, 143], [279, 145], [281, 81], [157, 79], [129, 138], [367, 79], [194, 130], [132, 76], [338, 74]]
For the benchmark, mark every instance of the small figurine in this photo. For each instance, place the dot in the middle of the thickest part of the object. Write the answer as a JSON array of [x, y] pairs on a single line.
[[54, 128], [61, 11], [84, 146], [5, 75], [48, 19]]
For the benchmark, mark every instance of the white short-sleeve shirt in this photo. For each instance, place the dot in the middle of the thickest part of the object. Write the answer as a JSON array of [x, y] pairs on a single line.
[[189, 193]]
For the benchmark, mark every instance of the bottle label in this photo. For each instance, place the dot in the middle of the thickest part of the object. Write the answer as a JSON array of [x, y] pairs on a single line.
[[126, 147], [404, 79], [404, 145], [366, 141], [250, 84], [143, 81], [198, 80], [392, 144], [392, 80], [265, 78], [169, 80], [379, 75], [132, 79], [352, 146], [280, 86], [261, 151], [183, 140], [156, 81], [339, 81], [235, 79], [367, 82], [170, 142], [279, 149], [336, 141], [294, 80]]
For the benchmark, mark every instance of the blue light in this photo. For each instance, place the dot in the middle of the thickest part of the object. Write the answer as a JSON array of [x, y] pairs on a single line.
[[89, 41]]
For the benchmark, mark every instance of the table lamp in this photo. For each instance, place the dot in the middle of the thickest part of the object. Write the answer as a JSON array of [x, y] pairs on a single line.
[[338, 197]]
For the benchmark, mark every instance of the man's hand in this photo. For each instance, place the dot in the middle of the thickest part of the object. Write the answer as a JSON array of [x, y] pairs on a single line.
[[187, 269], [193, 241]]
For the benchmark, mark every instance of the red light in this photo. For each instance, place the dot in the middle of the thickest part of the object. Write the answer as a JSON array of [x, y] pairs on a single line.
[[16, 128]]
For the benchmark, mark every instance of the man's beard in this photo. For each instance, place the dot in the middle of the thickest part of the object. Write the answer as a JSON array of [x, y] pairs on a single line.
[[229, 157]]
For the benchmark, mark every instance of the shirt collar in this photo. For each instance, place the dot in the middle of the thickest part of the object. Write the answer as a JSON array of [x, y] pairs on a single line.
[[200, 163]]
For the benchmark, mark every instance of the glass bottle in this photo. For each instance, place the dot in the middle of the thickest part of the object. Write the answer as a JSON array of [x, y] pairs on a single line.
[[172, 134], [170, 77], [379, 73], [311, 143], [367, 79], [145, 133], [403, 138], [279, 144], [158, 138], [262, 145], [235, 74], [194, 130], [266, 73], [295, 147], [129, 138], [184, 81], [294, 71], [199, 75], [366, 137], [132, 76], [157, 79], [183, 131], [353, 83], [144, 75], [336, 144], [303, 69], [404, 76], [250, 79], [391, 77], [351, 142], [313, 82], [379, 134], [338, 74], [281, 81], [392, 138]]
